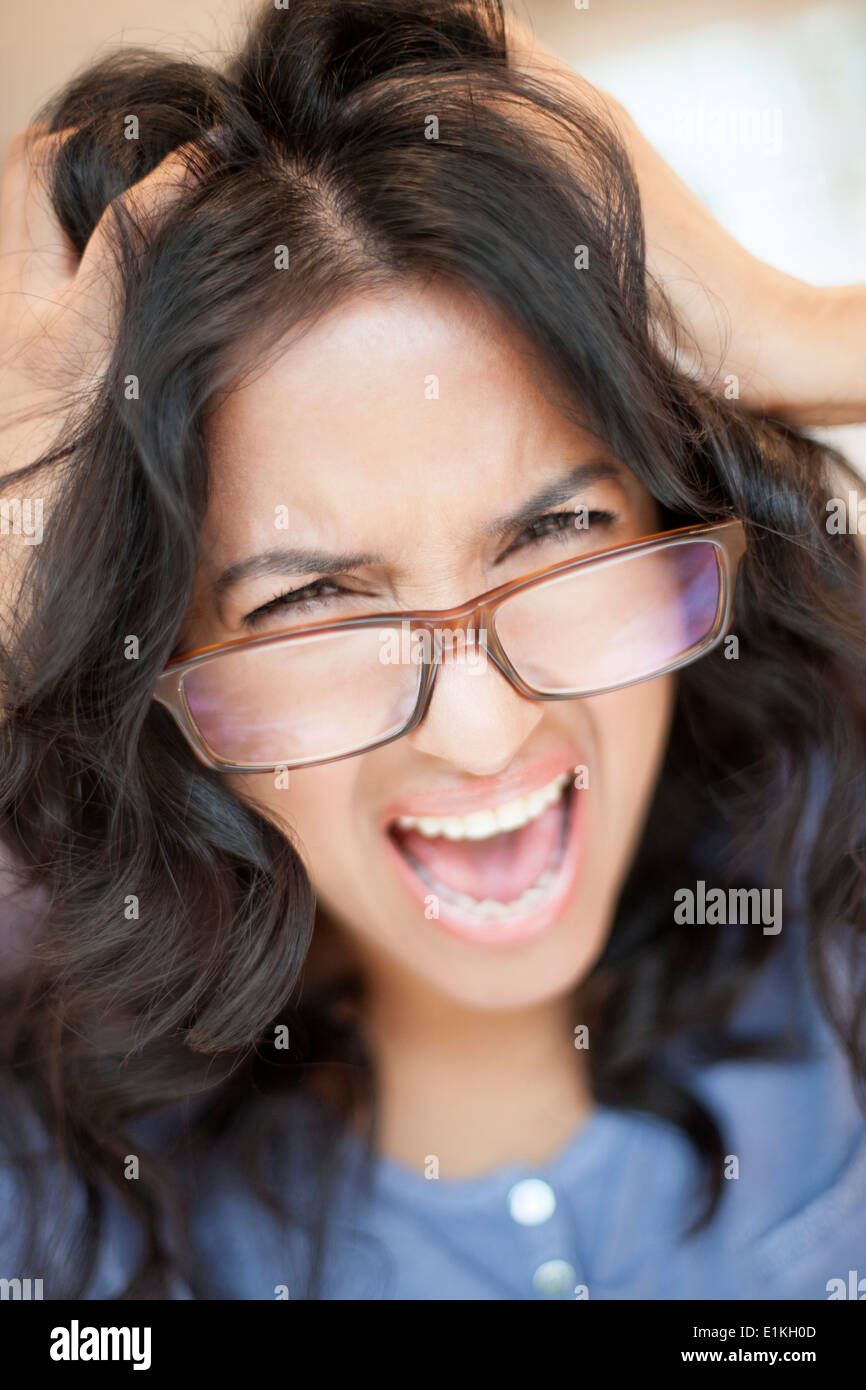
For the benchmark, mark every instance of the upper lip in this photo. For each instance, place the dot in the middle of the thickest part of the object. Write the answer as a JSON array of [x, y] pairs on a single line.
[[485, 793]]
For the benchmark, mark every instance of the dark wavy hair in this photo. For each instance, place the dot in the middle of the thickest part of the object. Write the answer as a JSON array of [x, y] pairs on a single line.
[[313, 138]]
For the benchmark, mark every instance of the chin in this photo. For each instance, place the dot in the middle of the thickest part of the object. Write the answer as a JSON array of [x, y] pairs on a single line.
[[539, 968]]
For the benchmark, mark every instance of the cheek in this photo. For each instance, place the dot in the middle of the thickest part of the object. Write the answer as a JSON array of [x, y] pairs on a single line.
[[633, 728], [313, 806]]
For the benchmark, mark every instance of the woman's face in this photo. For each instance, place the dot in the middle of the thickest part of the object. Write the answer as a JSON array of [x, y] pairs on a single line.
[[405, 430]]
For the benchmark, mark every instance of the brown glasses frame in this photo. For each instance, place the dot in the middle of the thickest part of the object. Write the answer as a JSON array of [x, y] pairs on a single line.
[[728, 537]]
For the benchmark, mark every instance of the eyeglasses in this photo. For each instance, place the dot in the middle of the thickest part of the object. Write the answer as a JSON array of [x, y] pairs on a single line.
[[327, 691]]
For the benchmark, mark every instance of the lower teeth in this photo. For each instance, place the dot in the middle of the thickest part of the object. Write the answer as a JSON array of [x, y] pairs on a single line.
[[490, 909]]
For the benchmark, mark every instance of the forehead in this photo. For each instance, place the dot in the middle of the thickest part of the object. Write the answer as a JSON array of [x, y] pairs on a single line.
[[416, 402]]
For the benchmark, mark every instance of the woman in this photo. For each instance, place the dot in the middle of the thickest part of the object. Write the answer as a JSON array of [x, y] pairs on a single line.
[[433, 737]]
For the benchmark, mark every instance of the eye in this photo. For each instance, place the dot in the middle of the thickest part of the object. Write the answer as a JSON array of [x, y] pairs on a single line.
[[560, 527], [301, 601]]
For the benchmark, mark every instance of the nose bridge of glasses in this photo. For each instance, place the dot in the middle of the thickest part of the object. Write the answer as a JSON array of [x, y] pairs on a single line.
[[453, 632], [465, 635], [473, 646]]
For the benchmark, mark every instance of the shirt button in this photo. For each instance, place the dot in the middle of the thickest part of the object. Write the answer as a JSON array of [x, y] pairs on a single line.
[[531, 1201], [554, 1279]]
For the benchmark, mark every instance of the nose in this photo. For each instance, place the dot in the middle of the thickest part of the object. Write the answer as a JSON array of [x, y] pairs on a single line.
[[475, 720]]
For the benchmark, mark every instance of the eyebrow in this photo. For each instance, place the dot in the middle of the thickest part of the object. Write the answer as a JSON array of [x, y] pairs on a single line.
[[285, 561], [581, 476]]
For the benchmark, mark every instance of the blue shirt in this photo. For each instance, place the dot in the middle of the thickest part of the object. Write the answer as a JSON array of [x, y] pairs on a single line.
[[602, 1220]]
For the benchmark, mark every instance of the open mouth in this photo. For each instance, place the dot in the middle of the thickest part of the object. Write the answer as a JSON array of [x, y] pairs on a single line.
[[496, 874]]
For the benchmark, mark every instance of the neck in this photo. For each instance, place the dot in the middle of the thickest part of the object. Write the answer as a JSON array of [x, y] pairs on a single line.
[[477, 1088]]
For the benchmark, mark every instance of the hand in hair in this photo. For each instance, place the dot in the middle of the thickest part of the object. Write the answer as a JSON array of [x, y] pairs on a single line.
[[58, 311], [797, 351]]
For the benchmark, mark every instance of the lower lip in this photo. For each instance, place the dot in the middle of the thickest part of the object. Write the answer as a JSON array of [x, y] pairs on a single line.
[[516, 929]]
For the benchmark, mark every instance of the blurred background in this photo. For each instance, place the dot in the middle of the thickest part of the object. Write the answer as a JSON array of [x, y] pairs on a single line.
[[760, 105]]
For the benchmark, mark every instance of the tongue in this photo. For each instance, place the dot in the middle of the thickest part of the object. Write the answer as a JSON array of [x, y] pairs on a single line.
[[501, 868]]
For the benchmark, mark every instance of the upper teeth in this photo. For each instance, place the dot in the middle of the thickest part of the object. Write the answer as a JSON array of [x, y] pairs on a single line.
[[480, 825]]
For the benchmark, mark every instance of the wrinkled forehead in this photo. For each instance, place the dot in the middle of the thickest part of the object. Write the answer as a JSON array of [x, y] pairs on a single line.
[[411, 414]]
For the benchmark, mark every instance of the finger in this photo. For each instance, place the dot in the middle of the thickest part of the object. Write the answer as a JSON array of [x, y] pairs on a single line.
[[142, 205], [36, 257], [96, 296]]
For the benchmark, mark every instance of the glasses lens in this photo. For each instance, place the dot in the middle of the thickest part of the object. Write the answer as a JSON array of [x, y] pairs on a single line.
[[305, 699], [622, 620]]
